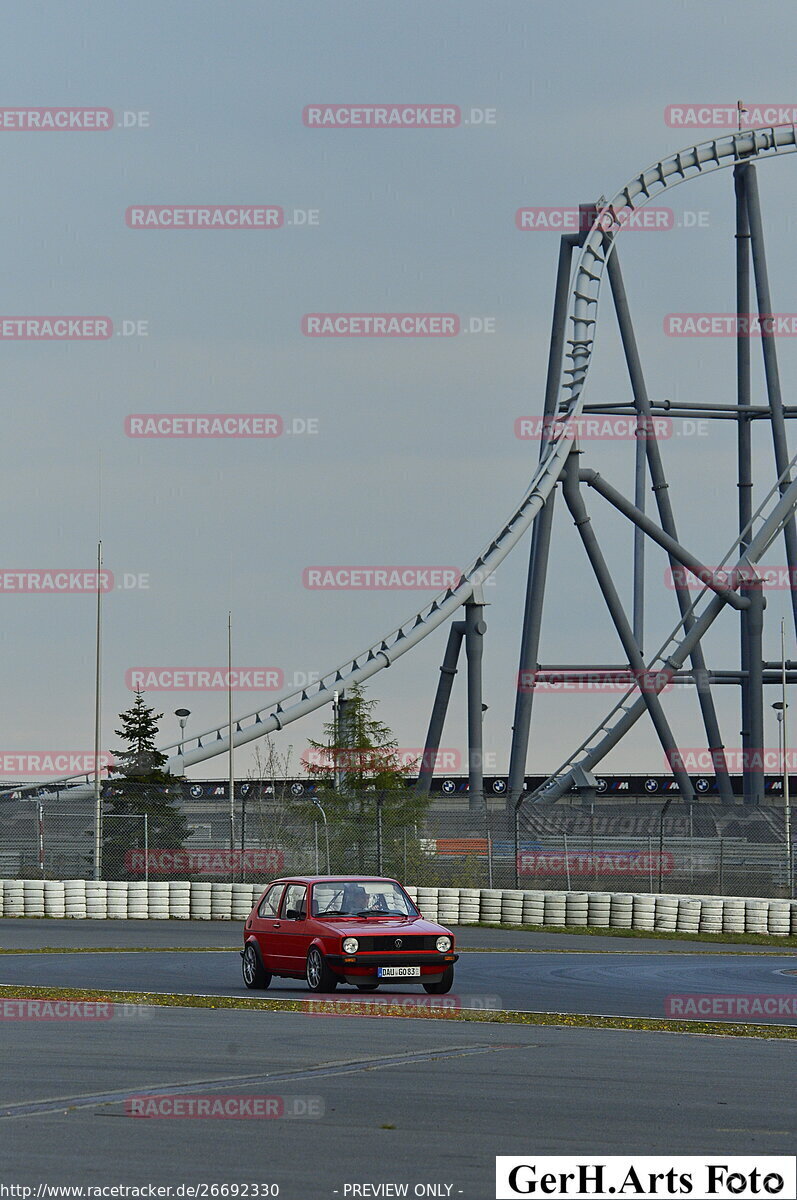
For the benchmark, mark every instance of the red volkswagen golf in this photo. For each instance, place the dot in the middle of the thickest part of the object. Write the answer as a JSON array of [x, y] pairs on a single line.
[[344, 929]]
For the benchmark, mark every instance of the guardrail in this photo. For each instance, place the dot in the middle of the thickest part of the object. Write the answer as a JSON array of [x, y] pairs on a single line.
[[82, 898]]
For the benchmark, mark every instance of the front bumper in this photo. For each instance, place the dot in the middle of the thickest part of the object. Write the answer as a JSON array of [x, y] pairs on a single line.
[[362, 968]]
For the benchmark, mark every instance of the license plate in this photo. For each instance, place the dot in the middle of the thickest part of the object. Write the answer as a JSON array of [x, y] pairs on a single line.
[[398, 972]]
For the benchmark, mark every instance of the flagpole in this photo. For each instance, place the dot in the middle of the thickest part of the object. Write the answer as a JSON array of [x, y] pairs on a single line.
[[97, 725]]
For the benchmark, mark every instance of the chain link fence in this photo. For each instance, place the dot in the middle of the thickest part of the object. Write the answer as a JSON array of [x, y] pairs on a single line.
[[702, 848]]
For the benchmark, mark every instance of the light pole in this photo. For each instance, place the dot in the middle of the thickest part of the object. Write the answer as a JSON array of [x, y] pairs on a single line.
[[320, 808], [781, 707], [182, 715]]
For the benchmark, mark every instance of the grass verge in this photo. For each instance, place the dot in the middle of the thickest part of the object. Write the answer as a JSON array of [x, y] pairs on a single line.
[[356, 1006]]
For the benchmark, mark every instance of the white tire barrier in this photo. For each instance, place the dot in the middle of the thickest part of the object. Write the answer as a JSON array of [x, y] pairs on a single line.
[[533, 908], [14, 898], [117, 899], [688, 915], [427, 902], [158, 901], [33, 897], [577, 908], [241, 901], [75, 898], [599, 909], [96, 899], [621, 913], [756, 916], [733, 915], [137, 900], [490, 906], [643, 912], [200, 901], [780, 918], [555, 913], [221, 902], [512, 908], [54, 902], [711, 914], [183, 900], [666, 914], [180, 900], [468, 906]]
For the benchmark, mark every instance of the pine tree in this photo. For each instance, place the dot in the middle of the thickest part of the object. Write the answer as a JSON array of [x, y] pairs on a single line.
[[142, 789], [364, 789]]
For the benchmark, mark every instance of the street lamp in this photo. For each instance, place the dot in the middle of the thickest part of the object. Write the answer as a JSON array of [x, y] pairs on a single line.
[[182, 715], [780, 708], [319, 806]]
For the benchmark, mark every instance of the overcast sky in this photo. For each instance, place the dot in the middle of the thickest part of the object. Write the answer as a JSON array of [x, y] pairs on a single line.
[[414, 461]]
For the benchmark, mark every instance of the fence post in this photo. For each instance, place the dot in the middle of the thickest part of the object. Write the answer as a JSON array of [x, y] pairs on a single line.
[[650, 863], [567, 862], [489, 859], [146, 849], [721, 889], [517, 849]]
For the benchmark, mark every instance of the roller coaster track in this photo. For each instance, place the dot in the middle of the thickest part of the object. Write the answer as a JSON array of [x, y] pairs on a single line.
[[745, 146]]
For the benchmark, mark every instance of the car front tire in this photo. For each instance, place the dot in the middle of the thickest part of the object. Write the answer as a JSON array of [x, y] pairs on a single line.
[[440, 989], [319, 977], [255, 974]]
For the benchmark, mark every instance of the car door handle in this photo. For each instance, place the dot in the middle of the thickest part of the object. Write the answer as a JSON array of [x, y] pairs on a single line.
[[276, 925]]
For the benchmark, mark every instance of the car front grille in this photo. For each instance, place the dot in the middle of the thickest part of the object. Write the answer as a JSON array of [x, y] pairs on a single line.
[[410, 943]]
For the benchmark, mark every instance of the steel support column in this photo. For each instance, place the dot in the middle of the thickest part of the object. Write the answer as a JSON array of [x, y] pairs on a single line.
[[437, 720], [662, 495], [475, 629], [540, 539], [764, 304], [575, 503]]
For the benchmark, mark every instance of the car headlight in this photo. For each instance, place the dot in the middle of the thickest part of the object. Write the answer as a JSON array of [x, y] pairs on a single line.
[[443, 944], [350, 945]]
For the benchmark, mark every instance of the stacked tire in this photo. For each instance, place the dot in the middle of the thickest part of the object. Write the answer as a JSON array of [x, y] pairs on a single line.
[[137, 900], [158, 901], [117, 899], [33, 897], [179, 899], [779, 918], [490, 906], [96, 899], [711, 914], [448, 906], [555, 912], [14, 898], [622, 910], [756, 916], [427, 902], [54, 902], [733, 915], [242, 901], [643, 911], [577, 908], [512, 908], [469, 906], [688, 915], [221, 901], [599, 910], [533, 908], [200, 901], [666, 914], [75, 898]]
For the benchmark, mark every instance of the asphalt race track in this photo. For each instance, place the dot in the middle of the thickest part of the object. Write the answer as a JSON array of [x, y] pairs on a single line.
[[365, 1099], [602, 984]]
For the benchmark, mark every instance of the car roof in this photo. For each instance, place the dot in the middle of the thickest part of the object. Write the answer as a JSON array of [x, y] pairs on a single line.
[[335, 879]]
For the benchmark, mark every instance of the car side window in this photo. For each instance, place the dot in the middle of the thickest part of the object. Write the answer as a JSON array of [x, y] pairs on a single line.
[[269, 905], [294, 902]]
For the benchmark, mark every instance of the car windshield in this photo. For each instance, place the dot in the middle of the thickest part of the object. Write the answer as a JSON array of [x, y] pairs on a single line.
[[361, 898]]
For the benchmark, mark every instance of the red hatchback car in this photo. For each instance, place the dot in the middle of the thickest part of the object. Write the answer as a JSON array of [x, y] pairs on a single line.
[[333, 929]]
